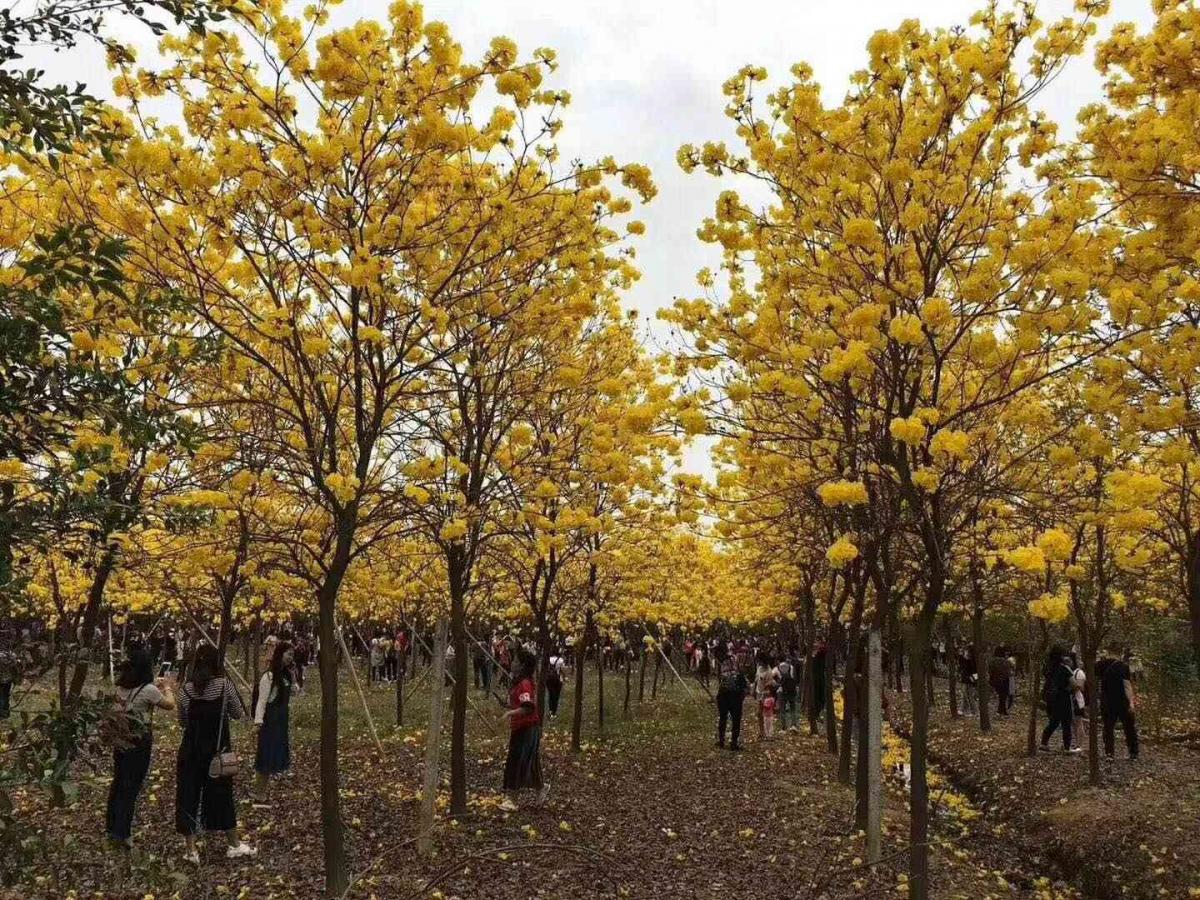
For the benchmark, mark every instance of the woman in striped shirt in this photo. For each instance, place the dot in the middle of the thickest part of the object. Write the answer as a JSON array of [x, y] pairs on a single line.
[[207, 703]]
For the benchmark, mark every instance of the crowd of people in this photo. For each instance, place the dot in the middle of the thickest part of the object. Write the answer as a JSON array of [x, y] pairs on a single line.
[[167, 670], [1067, 694]]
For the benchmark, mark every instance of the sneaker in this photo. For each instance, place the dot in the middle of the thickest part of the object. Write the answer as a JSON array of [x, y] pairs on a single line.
[[1073, 750], [193, 857], [242, 849], [508, 806], [544, 793]]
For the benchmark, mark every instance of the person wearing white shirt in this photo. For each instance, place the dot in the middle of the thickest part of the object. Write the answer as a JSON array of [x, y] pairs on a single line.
[[271, 716]]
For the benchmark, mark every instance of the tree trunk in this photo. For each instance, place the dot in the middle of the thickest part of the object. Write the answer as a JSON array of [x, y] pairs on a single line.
[[1093, 699], [862, 728], [225, 627], [831, 738], [919, 665], [983, 668], [400, 667], [642, 675], [657, 669], [1193, 592], [628, 678], [91, 615], [599, 683], [580, 657], [332, 830], [433, 745], [850, 685], [952, 667], [458, 734], [1033, 673], [256, 649]]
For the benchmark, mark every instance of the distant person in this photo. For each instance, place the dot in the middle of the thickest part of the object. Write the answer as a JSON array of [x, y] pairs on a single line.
[[1056, 691], [388, 668], [1000, 675], [138, 695], [207, 703], [765, 682], [789, 686], [523, 766], [704, 667], [731, 694], [1117, 702], [1078, 699], [768, 717], [271, 703], [820, 658], [554, 684], [969, 678], [375, 660]]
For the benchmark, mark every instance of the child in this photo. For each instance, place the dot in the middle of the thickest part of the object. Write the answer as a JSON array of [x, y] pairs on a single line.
[[768, 711]]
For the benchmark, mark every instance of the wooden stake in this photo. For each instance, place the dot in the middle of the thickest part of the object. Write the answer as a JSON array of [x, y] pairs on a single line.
[[358, 685]]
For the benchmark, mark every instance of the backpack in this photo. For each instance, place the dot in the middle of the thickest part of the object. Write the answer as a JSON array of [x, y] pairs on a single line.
[[732, 682]]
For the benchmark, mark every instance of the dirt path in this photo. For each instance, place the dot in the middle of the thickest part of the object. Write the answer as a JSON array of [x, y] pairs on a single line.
[[655, 811]]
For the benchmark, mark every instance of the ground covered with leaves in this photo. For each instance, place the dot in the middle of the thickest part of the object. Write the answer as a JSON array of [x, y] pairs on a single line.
[[1137, 835], [650, 809]]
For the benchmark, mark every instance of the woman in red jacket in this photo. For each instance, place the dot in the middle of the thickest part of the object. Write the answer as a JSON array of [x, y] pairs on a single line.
[[523, 768]]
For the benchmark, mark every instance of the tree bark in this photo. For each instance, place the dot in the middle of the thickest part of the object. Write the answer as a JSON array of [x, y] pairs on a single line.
[[1193, 593], [850, 684], [91, 616], [458, 733], [831, 738], [580, 657], [952, 667], [332, 829], [433, 744], [983, 667], [599, 683], [642, 674], [628, 677], [1093, 699], [1033, 673], [400, 667], [918, 853]]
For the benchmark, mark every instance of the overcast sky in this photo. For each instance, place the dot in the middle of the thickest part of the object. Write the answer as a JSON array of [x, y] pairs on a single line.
[[646, 76]]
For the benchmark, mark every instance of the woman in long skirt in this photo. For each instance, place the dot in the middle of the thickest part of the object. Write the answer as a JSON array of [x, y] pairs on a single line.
[[523, 767], [271, 716], [207, 702], [138, 695]]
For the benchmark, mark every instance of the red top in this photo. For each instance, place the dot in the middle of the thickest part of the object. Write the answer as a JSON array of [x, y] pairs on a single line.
[[524, 693]]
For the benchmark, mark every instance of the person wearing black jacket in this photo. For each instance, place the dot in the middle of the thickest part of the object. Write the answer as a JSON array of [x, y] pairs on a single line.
[[1057, 692], [731, 694], [1117, 702]]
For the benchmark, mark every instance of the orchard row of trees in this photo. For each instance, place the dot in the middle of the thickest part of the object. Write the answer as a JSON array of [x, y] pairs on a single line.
[[952, 364], [297, 327], [317, 322]]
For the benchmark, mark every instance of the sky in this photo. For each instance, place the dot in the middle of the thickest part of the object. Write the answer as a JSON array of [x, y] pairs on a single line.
[[645, 77]]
